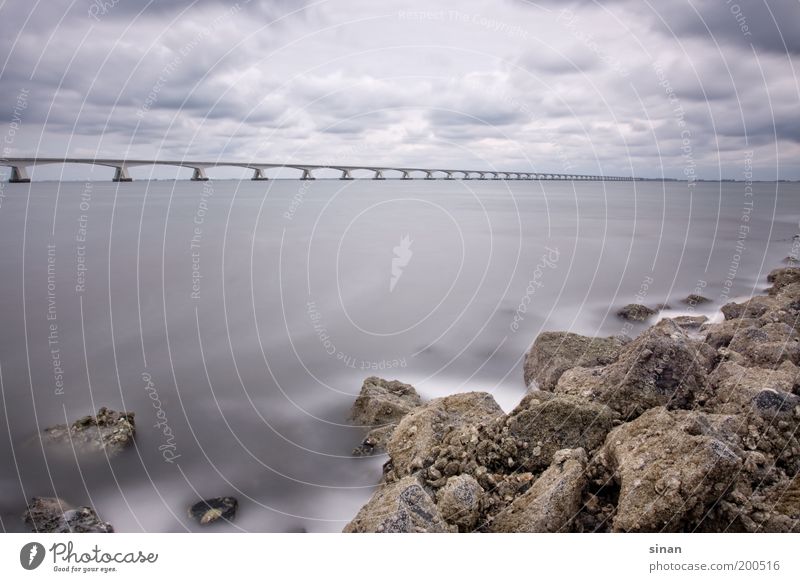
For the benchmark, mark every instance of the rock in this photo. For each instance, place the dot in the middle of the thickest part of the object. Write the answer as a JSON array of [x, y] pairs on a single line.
[[543, 423], [768, 345], [663, 366], [763, 391], [695, 299], [671, 466], [375, 441], [211, 510], [636, 312], [108, 431], [554, 352], [400, 507], [783, 277], [690, 322], [414, 439], [53, 515], [459, 502], [553, 500], [751, 309], [719, 335], [383, 402]]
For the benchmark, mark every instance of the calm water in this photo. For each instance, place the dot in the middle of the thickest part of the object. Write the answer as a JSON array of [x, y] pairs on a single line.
[[253, 311]]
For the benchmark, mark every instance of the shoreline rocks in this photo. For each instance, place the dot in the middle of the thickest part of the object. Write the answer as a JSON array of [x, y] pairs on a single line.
[[54, 515], [208, 511], [691, 426], [108, 431], [381, 404]]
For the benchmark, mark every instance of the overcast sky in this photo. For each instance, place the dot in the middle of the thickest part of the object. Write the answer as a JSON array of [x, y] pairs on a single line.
[[615, 87]]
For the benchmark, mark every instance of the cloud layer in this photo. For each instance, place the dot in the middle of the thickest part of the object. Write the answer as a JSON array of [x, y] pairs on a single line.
[[618, 87]]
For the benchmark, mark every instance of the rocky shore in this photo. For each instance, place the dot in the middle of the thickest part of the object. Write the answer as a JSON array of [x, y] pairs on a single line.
[[689, 427]]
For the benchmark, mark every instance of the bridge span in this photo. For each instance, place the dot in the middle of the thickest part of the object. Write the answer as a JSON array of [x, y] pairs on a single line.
[[19, 170]]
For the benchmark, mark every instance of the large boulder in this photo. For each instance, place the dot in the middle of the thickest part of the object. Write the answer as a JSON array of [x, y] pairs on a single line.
[[460, 501], [400, 507], [671, 467], [541, 424], [417, 440], [768, 345], [108, 431], [54, 515], [554, 352], [782, 278], [553, 500], [767, 392], [381, 404], [663, 366]]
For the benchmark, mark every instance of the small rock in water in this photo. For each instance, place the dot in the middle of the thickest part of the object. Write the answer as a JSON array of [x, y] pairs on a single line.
[[211, 510], [108, 431], [635, 312], [54, 515], [695, 299]]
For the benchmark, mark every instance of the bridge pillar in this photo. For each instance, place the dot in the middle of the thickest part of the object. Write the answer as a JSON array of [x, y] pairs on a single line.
[[307, 175], [378, 175], [199, 175], [121, 174], [466, 175], [481, 175], [346, 175], [19, 175], [429, 175], [449, 175], [258, 174], [406, 175], [495, 175]]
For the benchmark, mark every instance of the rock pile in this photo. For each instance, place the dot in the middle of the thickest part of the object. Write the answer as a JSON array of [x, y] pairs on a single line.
[[692, 426]]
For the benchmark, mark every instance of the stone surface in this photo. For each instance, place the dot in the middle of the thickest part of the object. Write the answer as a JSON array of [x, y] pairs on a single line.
[[208, 511], [555, 352], [671, 466], [399, 507], [459, 502], [383, 402], [553, 500], [53, 515], [695, 299], [108, 431], [690, 322], [636, 312]]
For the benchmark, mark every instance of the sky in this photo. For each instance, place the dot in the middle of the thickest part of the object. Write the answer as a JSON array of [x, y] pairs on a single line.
[[676, 88]]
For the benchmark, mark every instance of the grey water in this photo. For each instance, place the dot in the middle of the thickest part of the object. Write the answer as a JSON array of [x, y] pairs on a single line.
[[238, 319]]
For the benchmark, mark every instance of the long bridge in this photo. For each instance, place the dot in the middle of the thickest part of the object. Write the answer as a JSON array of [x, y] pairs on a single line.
[[19, 170]]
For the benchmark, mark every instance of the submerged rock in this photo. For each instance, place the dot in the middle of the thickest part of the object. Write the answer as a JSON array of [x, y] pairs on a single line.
[[108, 431], [671, 466], [400, 507], [211, 510], [553, 500], [54, 515], [636, 312], [554, 352]]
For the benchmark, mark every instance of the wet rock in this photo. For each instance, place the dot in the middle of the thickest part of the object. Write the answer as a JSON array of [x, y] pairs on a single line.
[[459, 502], [720, 335], [695, 299], [211, 510], [543, 423], [375, 441], [415, 440], [53, 515], [108, 431], [671, 466], [751, 309], [663, 366], [553, 500], [383, 402], [783, 277], [636, 312], [555, 352], [399, 507]]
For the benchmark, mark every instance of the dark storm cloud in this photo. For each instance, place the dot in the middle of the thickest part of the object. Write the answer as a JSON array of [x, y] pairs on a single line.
[[515, 82]]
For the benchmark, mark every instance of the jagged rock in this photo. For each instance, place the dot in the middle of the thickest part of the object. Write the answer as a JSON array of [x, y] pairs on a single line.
[[767, 392], [210, 510], [54, 515], [720, 335], [690, 322], [553, 500], [543, 423], [753, 308], [783, 277], [108, 431], [695, 299], [400, 507], [414, 439], [383, 402], [554, 352], [768, 345], [636, 312], [663, 366], [459, 501], [671, 467]]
